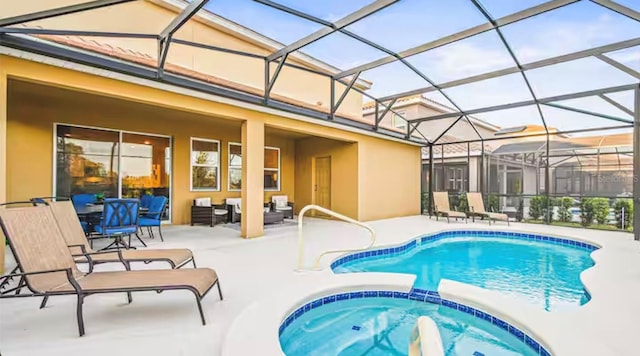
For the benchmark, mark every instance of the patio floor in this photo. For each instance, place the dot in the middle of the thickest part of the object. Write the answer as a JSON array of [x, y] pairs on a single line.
[[168, 323]]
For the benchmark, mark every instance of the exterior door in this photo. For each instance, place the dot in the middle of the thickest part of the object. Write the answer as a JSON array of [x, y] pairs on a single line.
[[322, 186]]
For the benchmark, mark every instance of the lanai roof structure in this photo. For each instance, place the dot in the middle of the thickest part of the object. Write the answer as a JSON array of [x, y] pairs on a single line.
[[571, 65]]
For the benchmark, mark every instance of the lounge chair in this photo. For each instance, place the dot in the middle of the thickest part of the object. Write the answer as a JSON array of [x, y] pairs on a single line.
[[476, 208], [48, 267], [441, 207], [73, 235]]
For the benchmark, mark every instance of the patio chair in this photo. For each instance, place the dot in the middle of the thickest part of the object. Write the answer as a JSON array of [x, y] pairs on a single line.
[[145, 201], [476, 208], [83, 199], [235, 209], [441, 207], [119, 219], [281, 204], [48, 267], [69, 225], [153, 216], [203, 212]]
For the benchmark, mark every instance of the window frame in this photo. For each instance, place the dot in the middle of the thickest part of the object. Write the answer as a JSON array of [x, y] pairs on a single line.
[[191, 165], [229, 166], [277, 170], [265, 169], [54, 183], [397, 117]]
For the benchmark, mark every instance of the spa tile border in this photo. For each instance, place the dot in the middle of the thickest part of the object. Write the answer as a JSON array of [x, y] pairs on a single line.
[[419, 295]]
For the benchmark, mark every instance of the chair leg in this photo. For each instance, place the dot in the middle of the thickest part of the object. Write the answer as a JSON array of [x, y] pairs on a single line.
[[79, 314], [129, 297], [139, 239], [44, 301], [160, 232], [193, 260], [219, 290], [204, 322]]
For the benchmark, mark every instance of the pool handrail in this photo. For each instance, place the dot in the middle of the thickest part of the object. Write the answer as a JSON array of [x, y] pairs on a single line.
[[425, 338], [335, 215]]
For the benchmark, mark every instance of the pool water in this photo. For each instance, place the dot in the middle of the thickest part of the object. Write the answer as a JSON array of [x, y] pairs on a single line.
[[544, 274], [382, 326]]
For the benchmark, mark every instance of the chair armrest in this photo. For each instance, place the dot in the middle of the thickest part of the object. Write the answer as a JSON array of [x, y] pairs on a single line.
[[6, 276], [90, 260], [290, 204]]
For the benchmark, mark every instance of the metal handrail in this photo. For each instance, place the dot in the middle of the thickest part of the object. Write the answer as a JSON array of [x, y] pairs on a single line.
[[335, 215]]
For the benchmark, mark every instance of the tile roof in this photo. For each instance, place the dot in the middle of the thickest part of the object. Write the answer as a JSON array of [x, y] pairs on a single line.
[[456, 149], [147, 60]]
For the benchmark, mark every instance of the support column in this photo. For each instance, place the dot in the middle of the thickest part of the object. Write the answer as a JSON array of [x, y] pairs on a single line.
[[3, 152], [252, 220], [430, 189], [636, 164]]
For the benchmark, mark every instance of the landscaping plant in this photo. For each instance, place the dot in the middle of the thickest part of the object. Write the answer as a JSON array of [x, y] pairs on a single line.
[[535, 207], [564, 204], [586, 212], [601, 210], [627, 205]]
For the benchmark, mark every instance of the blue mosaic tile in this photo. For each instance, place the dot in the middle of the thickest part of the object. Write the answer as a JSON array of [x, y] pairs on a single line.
[[450, 304], [420, 291], [484, 316], [307, 307], [370, 294], [516, 332], [400, 295], [343, 296], [330, 299], [316, 303], [288, 321], [499, 323], [466, 309], [532, 343], [298, 313], [386, 294], [432, 292], [281, 329], [544, 352], [355, 295], [432, 299]]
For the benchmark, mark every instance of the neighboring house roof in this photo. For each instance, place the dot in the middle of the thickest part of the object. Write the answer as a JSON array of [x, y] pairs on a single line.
[[456, 149], [419, 99], [568, 143], [254, 37]]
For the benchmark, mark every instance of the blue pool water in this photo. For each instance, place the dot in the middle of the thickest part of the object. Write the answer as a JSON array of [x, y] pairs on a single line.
[[541, 273], [382, 326]]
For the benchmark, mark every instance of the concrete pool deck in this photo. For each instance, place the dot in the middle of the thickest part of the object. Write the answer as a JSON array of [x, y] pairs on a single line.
[[253, 271]]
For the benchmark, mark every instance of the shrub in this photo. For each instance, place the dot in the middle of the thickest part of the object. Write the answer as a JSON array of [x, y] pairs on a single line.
[[463, 204], [586, 211], [601, 210], [536, 206], [627, 205], [520, 212], [564, 204], [493, 204]]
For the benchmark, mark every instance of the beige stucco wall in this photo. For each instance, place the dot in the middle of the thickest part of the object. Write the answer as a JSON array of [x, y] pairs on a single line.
[[389, 179], [30, 134], [344, 173], [148, 17]]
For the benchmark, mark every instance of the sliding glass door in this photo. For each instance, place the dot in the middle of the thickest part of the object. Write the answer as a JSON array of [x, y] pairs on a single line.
[[113, 163]]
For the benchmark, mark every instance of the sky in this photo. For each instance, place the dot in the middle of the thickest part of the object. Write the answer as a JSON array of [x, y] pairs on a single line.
[[409, 23]]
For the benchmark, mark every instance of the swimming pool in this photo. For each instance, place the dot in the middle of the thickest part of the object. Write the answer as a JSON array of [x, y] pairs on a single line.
[[541, 270], [380, 323]]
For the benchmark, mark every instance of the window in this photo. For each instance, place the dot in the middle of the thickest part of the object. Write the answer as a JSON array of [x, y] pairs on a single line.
[[398, 122], [235, 167], [115, 163], [271, 168], [205, 168]]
